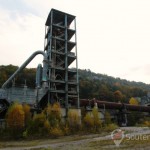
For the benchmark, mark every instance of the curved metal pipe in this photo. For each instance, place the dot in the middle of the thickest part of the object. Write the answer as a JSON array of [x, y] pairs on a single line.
[[44, 74]]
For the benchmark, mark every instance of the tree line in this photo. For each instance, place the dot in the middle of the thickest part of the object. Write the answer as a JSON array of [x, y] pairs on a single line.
[[91, 85], [21, 123]]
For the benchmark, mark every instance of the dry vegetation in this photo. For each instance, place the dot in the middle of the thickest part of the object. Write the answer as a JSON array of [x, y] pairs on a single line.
[[47, 131]]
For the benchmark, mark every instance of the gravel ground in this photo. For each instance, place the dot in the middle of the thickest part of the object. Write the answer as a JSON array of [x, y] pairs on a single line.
[[81, 142]]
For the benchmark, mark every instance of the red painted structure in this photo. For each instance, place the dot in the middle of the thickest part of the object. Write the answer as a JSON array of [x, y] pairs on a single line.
[[113, 105]]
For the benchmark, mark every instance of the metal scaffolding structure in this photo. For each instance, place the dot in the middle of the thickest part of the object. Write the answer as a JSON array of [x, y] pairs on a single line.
[[60, 46], [56, 80]]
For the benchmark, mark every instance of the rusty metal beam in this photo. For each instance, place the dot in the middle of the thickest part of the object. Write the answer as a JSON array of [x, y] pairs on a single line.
[[113, 105]]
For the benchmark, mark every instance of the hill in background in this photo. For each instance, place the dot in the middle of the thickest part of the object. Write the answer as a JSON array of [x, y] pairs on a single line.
[[92, 85]]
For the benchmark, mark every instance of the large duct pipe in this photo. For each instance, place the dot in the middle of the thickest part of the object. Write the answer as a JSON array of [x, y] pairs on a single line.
[[44, 74], [113, 105], [38, 76]]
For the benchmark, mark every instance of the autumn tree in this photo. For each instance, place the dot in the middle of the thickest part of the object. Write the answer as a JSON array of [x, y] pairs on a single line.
[[133, 101], [15, 118], [53, 113], [134, 117], [118, 96], [27, 113], [88, 122], [73, 120], [96, 119]]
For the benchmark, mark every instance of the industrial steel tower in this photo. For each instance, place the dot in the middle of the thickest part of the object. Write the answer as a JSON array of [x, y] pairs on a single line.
[[61, 48]]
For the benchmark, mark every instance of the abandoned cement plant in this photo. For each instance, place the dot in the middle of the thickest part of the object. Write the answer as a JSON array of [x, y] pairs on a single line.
[[56, 81]]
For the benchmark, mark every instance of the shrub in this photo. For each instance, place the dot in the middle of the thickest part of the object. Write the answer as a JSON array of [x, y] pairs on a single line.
[[36, 126], [73, 120], [134, 118], [66, 129], [15, 119], [53, 114], [39, 119], [147, 123], [96, 119], [107, 118], [46, 126], [26, 109], [88, 122], [25, 134], [56, 132], [110, 127]]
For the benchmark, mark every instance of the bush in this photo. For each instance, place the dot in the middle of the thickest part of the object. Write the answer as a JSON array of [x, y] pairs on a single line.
[[56, 132], [15, 119], [147, 123], [96, 119], [107, 118], [25, 134], [92, 121], [26, 109], [110, 127], [88, 122], [53, 114], [39, 119], [46, 126], [36, 126], [73, 120], [66, 129]]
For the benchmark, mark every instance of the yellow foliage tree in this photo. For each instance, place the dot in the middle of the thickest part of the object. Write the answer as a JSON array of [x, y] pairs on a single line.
[[96, 118], [88, 121], [15, 118], [133, 101], [46, 126], [73, 120], [26, 109], [53, 113], [56, 110]]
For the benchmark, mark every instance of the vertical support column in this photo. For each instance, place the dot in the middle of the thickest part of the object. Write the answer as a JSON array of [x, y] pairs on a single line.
[[77, 75], [49, 51], [45, 38], [66, 63]]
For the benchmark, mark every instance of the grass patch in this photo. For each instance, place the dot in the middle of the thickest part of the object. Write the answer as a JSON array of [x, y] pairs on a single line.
[[82, 142], [125, 144], [27, 143], [18, 144]]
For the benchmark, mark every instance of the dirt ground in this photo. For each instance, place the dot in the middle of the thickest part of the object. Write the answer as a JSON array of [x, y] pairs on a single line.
[[84, 142]]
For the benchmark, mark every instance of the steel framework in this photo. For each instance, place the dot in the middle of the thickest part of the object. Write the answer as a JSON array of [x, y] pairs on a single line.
[[61, 48]]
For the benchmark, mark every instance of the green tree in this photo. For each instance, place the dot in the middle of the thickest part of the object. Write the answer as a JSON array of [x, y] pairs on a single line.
[[36, 126]]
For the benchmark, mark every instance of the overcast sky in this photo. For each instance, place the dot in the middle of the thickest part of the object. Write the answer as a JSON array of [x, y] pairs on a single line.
[[113, 35]]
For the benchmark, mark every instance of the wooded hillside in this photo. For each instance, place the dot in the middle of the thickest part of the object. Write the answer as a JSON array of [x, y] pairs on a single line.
[[92, 85]]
